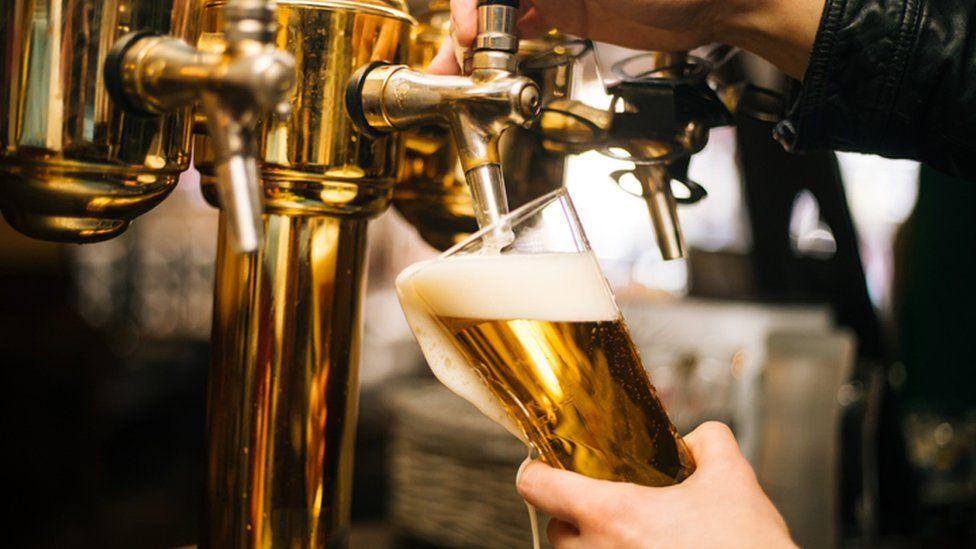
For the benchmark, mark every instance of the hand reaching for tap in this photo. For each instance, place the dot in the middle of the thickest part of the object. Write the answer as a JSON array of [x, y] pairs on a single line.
[[719, 505], [782, 31]]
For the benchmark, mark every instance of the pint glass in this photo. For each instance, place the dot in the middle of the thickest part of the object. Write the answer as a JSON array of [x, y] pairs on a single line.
[[520, 321]]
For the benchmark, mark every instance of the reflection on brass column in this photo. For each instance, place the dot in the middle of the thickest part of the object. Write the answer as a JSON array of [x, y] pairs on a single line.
[[73, 166], [314, 160], [281, 409], [284, 385], [432, 193], [531, 168]]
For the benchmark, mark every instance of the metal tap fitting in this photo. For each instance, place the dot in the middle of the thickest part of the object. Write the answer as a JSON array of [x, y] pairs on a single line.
[[478, 107], [151, 75]]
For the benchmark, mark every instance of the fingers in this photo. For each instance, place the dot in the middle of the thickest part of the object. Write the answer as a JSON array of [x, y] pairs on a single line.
[[568, 496], [711, 441], [464, 30], [445, 61], [561, 534], [553, 491], [464, 21], [715, 451]]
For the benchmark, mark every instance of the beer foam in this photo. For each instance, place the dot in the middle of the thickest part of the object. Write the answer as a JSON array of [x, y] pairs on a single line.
[[552, 287]]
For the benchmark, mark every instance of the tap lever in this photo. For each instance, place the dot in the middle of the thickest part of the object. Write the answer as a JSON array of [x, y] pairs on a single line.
[[479, 107]]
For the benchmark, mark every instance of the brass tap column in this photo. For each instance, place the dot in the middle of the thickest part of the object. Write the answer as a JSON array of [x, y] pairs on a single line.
[[478, 107], [283, 385]]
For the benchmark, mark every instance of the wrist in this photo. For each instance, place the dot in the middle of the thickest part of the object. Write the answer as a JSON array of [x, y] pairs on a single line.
[[781, 31]]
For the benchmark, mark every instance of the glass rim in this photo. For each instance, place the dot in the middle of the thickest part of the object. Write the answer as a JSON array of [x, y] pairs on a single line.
[[515, 216]]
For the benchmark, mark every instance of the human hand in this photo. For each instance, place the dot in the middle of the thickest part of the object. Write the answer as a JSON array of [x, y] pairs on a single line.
[[719, 505], [782, 31]]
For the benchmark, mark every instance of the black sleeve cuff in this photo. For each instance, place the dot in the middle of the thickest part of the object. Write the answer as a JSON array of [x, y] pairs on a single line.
[[856, 71]]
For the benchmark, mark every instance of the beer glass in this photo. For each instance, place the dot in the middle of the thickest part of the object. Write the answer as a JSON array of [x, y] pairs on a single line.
[[519, 320]]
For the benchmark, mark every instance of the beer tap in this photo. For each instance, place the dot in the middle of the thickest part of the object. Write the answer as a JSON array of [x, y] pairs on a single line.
[[478, 107], [150, 75], [660, 114]]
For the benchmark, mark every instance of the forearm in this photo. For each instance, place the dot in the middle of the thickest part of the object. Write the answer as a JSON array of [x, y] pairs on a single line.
[[781, 31]]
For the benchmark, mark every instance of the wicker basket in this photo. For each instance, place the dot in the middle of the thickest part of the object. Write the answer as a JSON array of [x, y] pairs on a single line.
[[453, 472]]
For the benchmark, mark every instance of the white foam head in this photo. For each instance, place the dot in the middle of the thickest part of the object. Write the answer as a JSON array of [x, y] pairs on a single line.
[[553, 287]]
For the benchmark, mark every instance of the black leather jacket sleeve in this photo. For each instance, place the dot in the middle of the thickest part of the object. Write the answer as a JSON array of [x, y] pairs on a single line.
[[891, 77]]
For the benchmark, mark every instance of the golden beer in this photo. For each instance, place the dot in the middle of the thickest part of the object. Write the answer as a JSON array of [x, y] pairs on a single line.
[[543, 338]]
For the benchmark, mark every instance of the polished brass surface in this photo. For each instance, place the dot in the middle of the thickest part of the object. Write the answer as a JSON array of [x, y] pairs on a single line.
[[477, 108], [431, 192], [73, 166], [314, 161], [284, 385], [286, 337], [247, 78]]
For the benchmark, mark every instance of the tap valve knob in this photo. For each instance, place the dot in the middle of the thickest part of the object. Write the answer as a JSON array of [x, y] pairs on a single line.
[[152, 75], [496, 25], [496, 44]]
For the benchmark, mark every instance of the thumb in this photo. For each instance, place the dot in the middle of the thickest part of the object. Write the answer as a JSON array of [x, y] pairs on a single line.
[[716, 452], [445, 61], [568, 496]]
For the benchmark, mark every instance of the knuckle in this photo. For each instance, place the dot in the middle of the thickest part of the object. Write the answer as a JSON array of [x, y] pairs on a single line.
[[717, 430]]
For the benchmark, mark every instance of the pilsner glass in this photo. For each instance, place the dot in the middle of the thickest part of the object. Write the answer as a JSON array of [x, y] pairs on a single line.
[[519, 320]]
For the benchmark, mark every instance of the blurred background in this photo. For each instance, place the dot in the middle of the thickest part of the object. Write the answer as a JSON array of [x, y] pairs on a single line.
[[832, 332], [106, 348]]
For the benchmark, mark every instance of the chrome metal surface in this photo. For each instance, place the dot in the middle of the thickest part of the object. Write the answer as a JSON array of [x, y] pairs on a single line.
[[660, 115], [487, 184], [73, 166], [235, 83], [432, 193], [663, 209], [313, 160], [497, 24], [477, 108]]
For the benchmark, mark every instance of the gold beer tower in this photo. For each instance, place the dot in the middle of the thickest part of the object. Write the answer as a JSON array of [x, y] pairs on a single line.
[[105, 98], [96, 125]]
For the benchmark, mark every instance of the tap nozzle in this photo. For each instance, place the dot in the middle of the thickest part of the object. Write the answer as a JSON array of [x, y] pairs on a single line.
[[662, 207], [151, 75], [478, 107]]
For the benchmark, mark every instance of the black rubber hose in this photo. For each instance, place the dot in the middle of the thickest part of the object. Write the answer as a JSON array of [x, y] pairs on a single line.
[[510, 3]]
